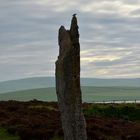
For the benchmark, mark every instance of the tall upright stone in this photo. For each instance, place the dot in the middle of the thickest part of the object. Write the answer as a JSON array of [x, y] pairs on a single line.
[[68, 83]]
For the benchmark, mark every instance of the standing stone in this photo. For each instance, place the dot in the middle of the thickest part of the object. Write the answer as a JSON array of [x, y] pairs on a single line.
[[68, 83]]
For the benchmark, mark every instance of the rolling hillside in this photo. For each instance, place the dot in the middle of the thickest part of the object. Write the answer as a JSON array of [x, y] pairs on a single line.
[[90, 94], [25, 84], [45, 82]]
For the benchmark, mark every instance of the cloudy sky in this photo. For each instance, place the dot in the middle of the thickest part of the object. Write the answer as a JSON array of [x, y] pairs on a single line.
[[109, 37]]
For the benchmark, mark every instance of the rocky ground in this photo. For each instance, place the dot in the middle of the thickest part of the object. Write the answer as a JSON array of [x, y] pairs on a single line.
[[41, 121]]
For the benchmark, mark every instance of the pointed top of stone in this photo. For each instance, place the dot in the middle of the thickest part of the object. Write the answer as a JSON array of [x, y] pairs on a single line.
[[74, 29], [74, 21]]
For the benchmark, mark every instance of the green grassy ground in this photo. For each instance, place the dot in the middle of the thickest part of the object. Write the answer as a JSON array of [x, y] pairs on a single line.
[[129, 112], [44, 94], [110, 93], [4, 135], [89, 94]]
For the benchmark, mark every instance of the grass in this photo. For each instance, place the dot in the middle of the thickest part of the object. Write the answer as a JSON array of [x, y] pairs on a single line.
[[124, 111], [89, 94], [4, 135], [43, 106], [44, 94], [57, 138]]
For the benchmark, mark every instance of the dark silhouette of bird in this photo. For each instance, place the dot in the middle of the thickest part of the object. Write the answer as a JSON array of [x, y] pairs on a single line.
[[74, 15]]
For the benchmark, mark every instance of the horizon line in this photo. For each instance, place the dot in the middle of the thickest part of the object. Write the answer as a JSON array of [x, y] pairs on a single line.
[[114, 78]]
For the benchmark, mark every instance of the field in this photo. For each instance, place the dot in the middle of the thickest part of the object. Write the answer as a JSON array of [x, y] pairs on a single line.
[[45, 82], [37, 120], [90, 94]]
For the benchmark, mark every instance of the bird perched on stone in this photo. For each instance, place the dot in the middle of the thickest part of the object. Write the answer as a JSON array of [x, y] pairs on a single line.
[[74, 15]]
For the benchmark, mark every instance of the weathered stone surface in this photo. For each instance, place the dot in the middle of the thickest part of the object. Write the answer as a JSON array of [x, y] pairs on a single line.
[[68, 83]]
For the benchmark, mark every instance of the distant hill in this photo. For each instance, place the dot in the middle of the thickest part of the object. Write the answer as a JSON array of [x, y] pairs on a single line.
[[28, 83], [89, 94], [110, 82], [45, 82]]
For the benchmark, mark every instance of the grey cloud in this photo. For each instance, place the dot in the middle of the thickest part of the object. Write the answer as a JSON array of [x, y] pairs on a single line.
[[28, 36], [136, 12], [131, 2]]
